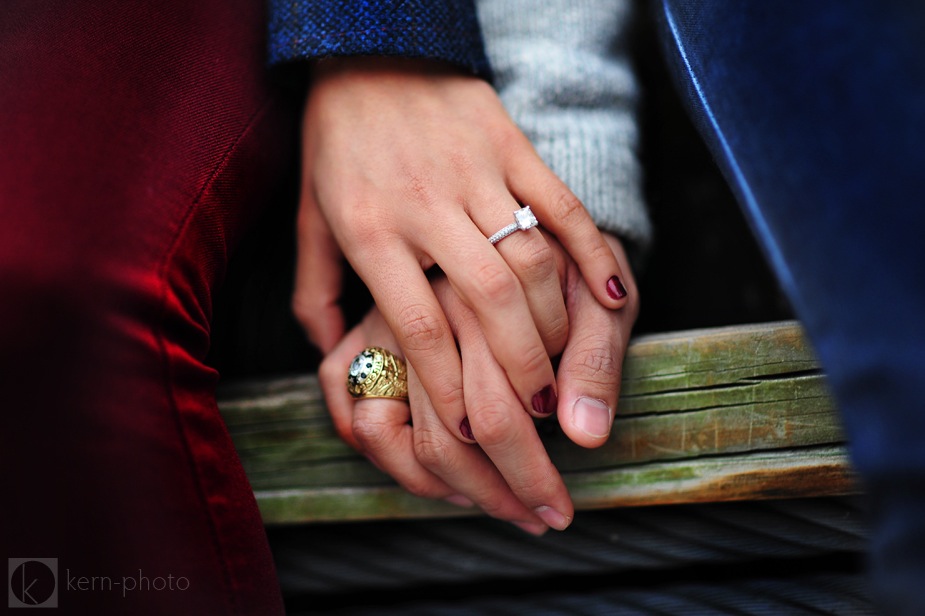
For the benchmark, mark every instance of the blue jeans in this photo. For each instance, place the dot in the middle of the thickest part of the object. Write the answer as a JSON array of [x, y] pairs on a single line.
[[815, 112]]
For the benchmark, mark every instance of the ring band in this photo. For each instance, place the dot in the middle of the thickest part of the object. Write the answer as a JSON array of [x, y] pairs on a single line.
[[523, 220], [377, 373]]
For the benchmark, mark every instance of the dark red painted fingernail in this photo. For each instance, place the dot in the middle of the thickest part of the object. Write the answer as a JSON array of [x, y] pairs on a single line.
[[545, 401], [615, 288], [466, 429]]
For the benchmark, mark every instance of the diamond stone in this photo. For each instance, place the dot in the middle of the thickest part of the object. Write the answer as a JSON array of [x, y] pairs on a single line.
[[525, 219]]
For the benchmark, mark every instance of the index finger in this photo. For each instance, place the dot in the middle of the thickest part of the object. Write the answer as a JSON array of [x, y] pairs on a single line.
[[498, 424], [417, 321]]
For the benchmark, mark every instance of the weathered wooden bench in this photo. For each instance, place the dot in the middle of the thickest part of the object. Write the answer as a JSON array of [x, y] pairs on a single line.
[[737, 413], [732, 428]]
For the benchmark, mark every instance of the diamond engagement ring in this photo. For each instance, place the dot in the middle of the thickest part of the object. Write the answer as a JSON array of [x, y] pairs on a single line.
[[377, 373], [523, 220]]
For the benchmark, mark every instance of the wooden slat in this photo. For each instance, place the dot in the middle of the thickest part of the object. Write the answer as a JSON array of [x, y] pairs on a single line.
[[822, 471], [705, 415], [693, 360]]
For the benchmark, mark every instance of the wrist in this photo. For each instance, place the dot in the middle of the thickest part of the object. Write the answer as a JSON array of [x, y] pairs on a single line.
[[336, 66]]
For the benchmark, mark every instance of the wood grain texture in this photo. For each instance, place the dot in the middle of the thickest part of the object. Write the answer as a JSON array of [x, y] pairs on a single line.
[[705, 415], [820, 471]]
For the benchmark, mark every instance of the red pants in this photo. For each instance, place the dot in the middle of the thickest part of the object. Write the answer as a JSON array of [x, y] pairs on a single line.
[[137, 139]]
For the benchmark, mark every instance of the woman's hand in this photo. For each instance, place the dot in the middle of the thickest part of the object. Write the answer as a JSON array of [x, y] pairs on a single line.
[[508, 472], [411, 164]]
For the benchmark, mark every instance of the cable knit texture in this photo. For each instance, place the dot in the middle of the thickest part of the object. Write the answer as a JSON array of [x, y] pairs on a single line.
[[563, 72], [446, 30]]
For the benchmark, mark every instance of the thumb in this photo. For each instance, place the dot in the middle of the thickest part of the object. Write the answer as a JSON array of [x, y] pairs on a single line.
[[318, 278]]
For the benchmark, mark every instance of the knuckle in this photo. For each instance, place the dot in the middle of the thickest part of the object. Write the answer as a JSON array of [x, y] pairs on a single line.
[[495, 283], [461, 162], [595, 362], [366, 230], [510, 143], [533, 360], [421, 329], [600, 251], [419, 187], [370, 433], [448, 395], [536, 260], [494, 425], [368, 224], [434, 451], [567, 208]]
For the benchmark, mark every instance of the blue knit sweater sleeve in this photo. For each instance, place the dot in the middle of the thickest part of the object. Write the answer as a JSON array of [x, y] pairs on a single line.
[[438, 29]]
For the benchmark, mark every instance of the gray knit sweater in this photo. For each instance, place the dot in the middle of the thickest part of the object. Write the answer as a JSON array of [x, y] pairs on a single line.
[[563, 73]]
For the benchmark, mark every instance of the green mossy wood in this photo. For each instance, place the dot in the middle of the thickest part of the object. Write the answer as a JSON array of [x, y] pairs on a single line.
[[736, 413]]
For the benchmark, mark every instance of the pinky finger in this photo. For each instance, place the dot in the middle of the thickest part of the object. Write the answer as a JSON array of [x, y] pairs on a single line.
[[376, 427], [332, 378]]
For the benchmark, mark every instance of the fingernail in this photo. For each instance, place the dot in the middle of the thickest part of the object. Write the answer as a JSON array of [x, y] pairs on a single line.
[[593, 417], [466, 429], [534, 528], [459, 500], [545, 401], [615, 288], [552, 517]]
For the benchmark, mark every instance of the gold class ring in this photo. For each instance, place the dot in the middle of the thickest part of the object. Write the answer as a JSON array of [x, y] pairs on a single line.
[[377, 373]]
